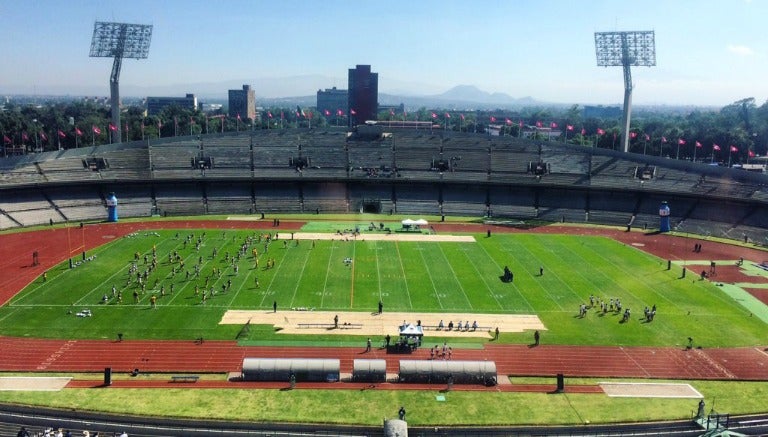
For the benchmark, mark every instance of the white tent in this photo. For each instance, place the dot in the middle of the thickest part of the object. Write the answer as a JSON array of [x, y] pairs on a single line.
[[408, 222], [421, 222]]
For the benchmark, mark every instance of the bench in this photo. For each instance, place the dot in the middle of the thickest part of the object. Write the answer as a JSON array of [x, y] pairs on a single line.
[[445, 328], [185, 378]]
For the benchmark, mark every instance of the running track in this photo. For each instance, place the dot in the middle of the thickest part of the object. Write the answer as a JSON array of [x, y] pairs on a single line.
[[54, 246]]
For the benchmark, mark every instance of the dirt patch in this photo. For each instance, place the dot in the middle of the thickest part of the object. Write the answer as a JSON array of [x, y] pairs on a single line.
[[33, 383], [359, 323], [649, 390]]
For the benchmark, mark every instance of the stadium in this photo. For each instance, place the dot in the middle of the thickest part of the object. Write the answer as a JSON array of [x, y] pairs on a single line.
[[330, 206]]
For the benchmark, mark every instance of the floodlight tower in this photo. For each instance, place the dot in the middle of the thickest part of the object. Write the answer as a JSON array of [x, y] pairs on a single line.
[[626, 49], [119, 40]]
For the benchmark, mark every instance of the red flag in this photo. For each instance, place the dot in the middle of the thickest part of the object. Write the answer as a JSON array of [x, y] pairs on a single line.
[[434, 115], [583, 131], [647, 137], [126, 127], [751, 154], [600, 131], [191, 121], [569, 127], [462, 117], [43, 136], [238, 117], [520, 123], [78, 132], [538, 124], [734, 149], [24, 137], [493, 119], [633, 135], [663, 139], [269, 113], [159, 124], [698, 144], [681, 141], [447, 115], [6, 140], [353, 112], [339, 112], [391, 112], [112, 127], [715, 147], [553, 125], [96, 129], [508, 121], [327, 112], [62, 134]]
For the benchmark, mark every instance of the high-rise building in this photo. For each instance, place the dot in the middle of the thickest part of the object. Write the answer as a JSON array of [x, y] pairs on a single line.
[[155, 105], [363, 95], [332, 100], [243, 103]]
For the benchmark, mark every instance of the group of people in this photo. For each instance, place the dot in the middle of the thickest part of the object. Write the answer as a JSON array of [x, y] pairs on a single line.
[[445, 353], [458, 326], [614, 305]]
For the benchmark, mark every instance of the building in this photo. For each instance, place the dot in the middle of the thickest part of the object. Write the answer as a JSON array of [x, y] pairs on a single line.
[[363, 95], [155, 105], [331, 100], [243, 103]]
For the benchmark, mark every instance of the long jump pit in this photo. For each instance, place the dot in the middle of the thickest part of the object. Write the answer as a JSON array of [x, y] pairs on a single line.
[[371, 324], [33, 383]]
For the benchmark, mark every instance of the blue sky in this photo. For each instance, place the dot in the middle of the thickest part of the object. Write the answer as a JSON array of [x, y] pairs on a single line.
[[708, 52]]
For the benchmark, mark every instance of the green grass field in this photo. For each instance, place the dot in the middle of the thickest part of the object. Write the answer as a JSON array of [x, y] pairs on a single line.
[[426, 277]]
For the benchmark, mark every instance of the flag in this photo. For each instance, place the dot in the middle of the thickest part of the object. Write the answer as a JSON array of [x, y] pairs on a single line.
[[282, 116], [633, 135], [715, 147], [538, 124], [508, 121], [78, 132], [493, 119], [24, 137], [553, 125], [191, 121], [301, 111], [112, 127], [327, 112], [298, 114], [391, 111], [462, 117], [6, 140], [159, 124], [569, 127], [663, 139], [43, 136], [681, 142], [583, 131], [751, 154], [434, 115], [62, 134], [238, 117], [447, 115], [269, 114], [647, 137], [734, 149], [96, 129], [520, 123], [339, 112], [698, 144], [126, 128], [600, 131], [353, 112]]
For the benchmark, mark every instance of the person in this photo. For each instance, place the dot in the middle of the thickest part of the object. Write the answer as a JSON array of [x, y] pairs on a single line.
[[45, 275], [381, 307], [496, 334], [700, 412], [536, 337], [23, 432], [368, 345], [153, 301], [401, 413], [388, 339], [336, 321], [541, 271], [274, 304]]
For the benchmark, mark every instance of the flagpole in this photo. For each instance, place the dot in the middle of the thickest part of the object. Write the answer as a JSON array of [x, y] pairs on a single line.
[[694, 151]]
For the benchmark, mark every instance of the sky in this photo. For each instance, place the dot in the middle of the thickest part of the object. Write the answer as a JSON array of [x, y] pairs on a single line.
[[708, 52]]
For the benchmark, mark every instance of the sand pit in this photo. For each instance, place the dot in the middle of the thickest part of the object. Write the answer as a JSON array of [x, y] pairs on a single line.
[[395, 236], [364, 323], [33, 383], [650, 390]]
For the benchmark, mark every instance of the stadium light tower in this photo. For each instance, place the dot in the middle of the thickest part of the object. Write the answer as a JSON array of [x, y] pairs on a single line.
[[626, 49], [119, 40]]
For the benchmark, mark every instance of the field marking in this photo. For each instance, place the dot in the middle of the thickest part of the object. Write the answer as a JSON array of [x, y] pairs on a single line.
[[482, 277], [378, 268], [327, 273], [429, 274], [352, 277], [650, 390], [540, 286], [402, 269], [298, 282], [493, 260], [455, 277]]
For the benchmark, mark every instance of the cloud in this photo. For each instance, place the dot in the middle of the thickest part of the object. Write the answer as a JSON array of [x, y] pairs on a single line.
[[740, 50]]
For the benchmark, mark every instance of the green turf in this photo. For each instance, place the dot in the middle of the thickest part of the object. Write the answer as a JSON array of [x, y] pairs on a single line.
[[425, 277]]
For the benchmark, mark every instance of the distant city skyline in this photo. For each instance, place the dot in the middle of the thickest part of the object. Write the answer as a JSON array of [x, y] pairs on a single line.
[[709, 52]]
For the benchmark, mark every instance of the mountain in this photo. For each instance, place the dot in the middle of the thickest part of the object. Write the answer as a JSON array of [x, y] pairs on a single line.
[[470, 93]]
